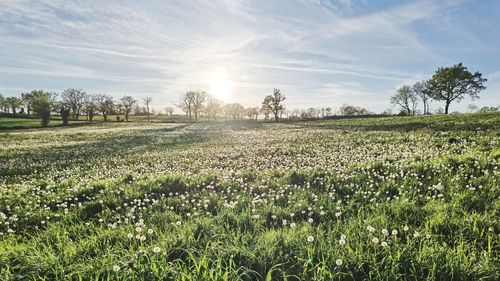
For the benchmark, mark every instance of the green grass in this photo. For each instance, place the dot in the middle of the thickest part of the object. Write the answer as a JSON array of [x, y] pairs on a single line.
[[242, 201]]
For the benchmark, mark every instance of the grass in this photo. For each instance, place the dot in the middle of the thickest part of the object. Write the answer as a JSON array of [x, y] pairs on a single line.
[[385, 199]]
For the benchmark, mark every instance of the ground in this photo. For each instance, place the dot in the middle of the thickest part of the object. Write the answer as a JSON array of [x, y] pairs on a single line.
[[390, 198]]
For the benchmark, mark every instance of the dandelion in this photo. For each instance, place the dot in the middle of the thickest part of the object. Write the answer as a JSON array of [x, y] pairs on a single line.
[[341, 242], [150, 231], [116, 268], [406, 228], [156, 250], [385, 231], [384, 244], [370, 229], [293, 225], [343, 237], [178, 223], [310, 238], [375, 240], [310, 220], [339, 262], [394, 232], [416, 234], [130, 236]]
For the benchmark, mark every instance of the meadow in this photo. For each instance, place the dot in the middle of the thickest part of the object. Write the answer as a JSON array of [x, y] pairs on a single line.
[[393, 198]]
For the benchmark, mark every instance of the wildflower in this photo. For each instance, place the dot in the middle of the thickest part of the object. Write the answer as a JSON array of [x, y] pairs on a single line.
[[178, 223], [310, 220], [370, 229], [339, 262], [406, 228], [150, 231], [130, 236], [384, 244], [394, 232], [116, 268], [385, 231], [156, 250], [343, 237], [293, 225], [310, 238], [375, 240], [416, 234], [341, 242]]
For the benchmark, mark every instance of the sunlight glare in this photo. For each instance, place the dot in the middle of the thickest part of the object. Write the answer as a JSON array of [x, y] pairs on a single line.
[[220, 85]]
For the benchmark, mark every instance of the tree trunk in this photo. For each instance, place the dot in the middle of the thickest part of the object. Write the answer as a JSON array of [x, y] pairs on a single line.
[[126, 117], [446, 107], [276, 116]]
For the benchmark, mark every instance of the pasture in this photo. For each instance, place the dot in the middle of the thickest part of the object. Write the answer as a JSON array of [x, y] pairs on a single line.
[[415, 198]]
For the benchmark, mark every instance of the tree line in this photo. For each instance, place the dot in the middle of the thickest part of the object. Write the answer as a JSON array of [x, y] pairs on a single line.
[[72, 104], [448, 84]]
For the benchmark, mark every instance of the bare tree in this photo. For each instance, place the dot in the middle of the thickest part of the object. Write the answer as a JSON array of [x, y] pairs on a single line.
[[169, 110], [274, 103], [422, 90], [75, 99], [147, 101], [91, 106], [213, 107], [197, 99], [185, 103], [127, 103], [406, 99], [104, 105]]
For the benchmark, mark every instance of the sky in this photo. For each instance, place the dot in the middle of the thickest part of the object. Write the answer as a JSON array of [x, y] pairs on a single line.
[[319, 53]]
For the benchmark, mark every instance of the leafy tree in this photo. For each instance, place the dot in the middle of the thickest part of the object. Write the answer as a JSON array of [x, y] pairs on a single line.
[[105, 105], [235, 110], [406, 99], [422, 90], [14, 103], [43, 104], [350, 110], [275, 103], [450, 84], [147, 101], [3, 103], [127, 103], [328, 111], [65, 112], [75, 100], [266, 107], [489, 109], [27, 99]]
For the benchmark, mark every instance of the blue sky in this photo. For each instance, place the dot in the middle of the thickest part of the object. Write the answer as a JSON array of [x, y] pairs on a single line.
[[318, 52]]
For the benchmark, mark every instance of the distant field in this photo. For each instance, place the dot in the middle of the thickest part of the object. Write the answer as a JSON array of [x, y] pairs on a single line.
[[393, 198]]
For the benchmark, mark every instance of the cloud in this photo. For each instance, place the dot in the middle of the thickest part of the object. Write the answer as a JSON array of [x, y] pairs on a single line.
[[312, 49]]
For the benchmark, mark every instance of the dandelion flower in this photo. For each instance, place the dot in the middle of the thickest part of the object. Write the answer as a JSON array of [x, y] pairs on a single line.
[[375, 240], [384, 244], [339, 262], [130, 236], [293, 225], [341, 242], [310, 238], [394, 232], [156, 250], [116, 268], [150, 231]]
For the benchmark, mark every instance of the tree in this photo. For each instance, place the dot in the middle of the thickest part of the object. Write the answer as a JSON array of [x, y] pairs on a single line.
[[406, 99], [43, 103], [27, 99], [472, 107], [350, 110], [266, 107], [274, 103], [422, 90], [104, 105], [185, 103], [14, 103], [454, 83], [169, 110], [235, 110], [252, 112], [213, 107], [74, 99], [3, 103], [127, 103], [147, 101], [328, 111], [64, 111], [197, 98], [91, 107]]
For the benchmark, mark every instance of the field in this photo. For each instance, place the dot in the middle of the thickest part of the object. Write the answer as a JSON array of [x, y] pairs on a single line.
[[414, 198]]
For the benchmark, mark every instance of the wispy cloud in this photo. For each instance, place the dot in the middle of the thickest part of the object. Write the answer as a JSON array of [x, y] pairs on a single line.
[[349, 51]]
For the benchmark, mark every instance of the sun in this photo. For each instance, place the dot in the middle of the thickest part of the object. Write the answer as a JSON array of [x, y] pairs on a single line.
[[221, 86]]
